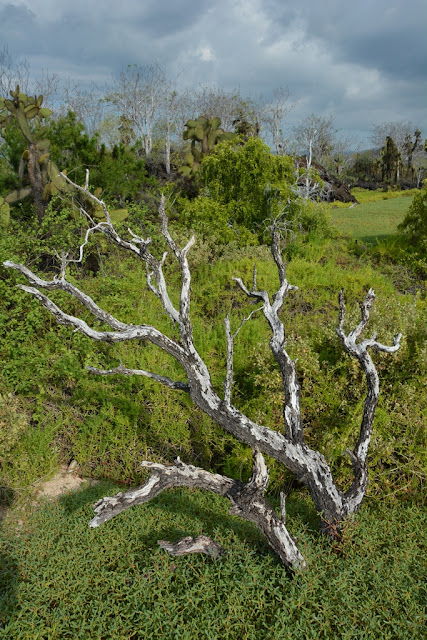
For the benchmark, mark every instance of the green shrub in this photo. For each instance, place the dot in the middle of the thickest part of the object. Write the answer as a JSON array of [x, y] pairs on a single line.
[[415, 222], [216, 221], [243, 188]]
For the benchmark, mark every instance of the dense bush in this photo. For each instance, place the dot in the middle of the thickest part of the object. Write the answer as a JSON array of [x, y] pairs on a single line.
[[415, 222], [243, 188], [119, 174]]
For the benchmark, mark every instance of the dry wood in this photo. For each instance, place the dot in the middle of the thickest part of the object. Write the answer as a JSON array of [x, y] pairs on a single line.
[[186, 545], [247, 500]]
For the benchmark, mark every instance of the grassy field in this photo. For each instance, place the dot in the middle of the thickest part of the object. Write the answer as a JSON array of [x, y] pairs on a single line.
[[60, 579], [371, 220]]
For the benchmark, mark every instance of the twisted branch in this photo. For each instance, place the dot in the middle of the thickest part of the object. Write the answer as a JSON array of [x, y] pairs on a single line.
[[359, 455], [291, 408], [247, 500]]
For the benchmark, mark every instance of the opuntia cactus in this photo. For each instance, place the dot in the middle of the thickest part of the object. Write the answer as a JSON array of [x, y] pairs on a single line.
[[204, 135], [28, 113], [23, 109], [4, 213]]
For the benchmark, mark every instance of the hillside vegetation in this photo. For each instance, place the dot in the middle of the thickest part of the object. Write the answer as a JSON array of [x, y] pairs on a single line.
[[60, 579]]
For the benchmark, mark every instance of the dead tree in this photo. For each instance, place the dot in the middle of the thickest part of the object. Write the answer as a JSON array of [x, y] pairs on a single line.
[[247, 499]]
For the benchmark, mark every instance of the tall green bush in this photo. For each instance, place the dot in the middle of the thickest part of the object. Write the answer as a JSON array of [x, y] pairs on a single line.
[[243, 188], [250, 177], [415, 222]]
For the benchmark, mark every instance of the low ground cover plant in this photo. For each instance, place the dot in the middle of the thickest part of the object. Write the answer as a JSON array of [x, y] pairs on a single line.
[[60, 579]]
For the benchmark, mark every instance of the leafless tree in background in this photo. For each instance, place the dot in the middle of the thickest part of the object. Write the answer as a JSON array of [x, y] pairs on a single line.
[[137, 94], [19, 73], [273, 115], [230, 106]]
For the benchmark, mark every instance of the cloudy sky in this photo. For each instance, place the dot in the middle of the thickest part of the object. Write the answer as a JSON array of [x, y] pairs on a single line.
[[364, 62]]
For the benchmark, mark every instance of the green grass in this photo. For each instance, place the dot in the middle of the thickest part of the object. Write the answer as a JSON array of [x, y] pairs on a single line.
[[61, 580], [367, 195], [372, 221], [110, 424]]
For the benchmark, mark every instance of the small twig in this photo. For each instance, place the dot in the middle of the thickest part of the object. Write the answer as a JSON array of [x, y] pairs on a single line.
[[230, 337], [187, 545]]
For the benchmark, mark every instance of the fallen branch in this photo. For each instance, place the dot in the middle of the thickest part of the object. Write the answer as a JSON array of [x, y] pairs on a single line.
[[187, 545]]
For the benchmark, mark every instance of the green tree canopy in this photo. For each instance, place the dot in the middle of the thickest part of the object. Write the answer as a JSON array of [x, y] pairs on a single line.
[[415, 221], [243, 187], [251, 178]]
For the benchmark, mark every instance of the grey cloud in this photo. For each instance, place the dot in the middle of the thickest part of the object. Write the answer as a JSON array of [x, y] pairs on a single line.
[[382, 34], [15, 20], [179, 15], [361, 61]]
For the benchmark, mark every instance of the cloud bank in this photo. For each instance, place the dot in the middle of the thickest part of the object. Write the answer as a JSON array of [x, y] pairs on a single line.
[[363, 62]]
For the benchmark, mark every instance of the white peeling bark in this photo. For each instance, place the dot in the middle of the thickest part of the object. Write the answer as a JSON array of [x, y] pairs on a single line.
[[248, 500], [165, 380], [271, 310], [186, 545], [359, 455]]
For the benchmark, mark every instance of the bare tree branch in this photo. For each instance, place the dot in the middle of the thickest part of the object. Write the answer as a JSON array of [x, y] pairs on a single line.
[[186, 329], [247, 501], [260, 476], [130, 332], [167, 382], [291, 410], [202, 544], [360, 351], [60, 284], [139, 246], [230, 337]]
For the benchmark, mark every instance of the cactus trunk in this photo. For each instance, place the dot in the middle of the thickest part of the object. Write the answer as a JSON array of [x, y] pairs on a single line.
[[36, 182]]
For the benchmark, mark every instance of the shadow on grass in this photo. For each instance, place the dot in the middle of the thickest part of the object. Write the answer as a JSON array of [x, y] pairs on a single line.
[[8, 585], [191, 512], [8, 565], [6, 500]]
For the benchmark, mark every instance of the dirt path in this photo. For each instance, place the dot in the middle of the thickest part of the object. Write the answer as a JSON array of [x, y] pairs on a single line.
[[64, 481]]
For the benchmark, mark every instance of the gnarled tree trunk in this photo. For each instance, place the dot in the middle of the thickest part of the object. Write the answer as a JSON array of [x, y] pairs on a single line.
[[247, 500]]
